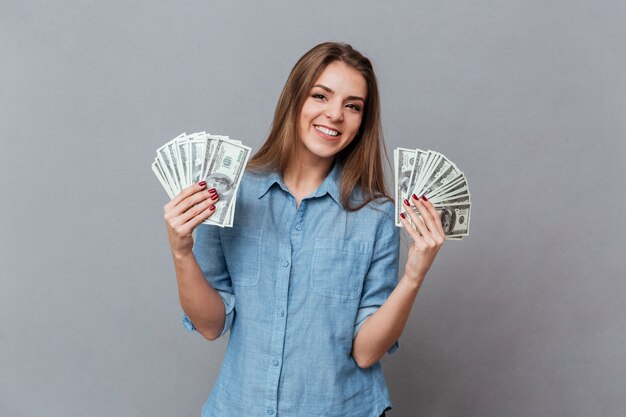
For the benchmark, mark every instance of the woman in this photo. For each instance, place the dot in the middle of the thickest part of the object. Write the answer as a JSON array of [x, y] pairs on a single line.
[[306, 280]]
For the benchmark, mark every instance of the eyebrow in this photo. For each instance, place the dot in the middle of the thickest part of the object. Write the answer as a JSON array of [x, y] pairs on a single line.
[[323, 87]]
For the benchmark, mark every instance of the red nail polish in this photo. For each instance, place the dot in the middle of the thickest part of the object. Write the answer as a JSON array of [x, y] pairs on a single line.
[[213, 190], [202, 183], [402, 215], [214, 197], [406, 202], [424, 198], [415, 197], [212, 208]]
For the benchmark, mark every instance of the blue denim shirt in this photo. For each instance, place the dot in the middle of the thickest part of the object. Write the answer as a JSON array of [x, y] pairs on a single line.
[[297, 285]]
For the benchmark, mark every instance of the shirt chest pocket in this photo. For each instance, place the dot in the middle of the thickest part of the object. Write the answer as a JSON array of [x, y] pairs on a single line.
[[242, 252], [338, 267]]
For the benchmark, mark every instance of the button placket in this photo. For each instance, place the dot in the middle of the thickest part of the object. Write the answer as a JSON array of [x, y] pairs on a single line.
[[279, 327]]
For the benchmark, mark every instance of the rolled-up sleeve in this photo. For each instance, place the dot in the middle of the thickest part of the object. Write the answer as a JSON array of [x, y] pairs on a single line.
[[208, 252], [382, 276]]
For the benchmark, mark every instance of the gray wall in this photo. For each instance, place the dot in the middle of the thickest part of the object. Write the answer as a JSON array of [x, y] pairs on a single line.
[[525, 317]]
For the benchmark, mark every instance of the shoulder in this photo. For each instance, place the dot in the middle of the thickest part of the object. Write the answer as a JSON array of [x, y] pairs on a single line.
[[254, 184], [253, 180], [378, 216], [381, 208], [384, 211]]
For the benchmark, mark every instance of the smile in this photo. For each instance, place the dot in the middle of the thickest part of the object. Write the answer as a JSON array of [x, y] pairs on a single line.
[[327, 131]]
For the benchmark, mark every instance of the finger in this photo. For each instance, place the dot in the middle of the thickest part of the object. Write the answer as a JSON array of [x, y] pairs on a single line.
[[426, 215], [188, 227], [184, 194], [192, 200], [198, 208], [440, 235], [433, 211], [424, 212], [417, 221], [410, 229]]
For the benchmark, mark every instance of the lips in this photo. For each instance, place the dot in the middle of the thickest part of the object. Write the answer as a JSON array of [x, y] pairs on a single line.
[[327, 131]]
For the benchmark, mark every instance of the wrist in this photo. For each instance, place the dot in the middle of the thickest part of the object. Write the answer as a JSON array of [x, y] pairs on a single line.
[[182, 256], [412, 282]]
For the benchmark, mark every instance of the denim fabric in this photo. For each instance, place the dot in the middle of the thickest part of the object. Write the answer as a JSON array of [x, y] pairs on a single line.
[[297, 285]]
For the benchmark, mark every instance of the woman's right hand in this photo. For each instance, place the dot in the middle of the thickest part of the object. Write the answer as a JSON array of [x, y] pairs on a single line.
[[183, 213]]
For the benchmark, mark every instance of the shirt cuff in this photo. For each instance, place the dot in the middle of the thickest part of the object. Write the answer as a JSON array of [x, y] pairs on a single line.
[[229, 306], [363, 314]]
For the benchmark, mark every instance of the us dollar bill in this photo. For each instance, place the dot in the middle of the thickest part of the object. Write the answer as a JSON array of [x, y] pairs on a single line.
[[161, 177], [224, 174], [455, 219], [419, 165], [169, 164], [197, 149], [434, 176], [403, 171]]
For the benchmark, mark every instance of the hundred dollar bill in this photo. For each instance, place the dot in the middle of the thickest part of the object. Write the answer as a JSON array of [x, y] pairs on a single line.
[[405, 160], [211, 145], [197, 149], [161, 177], [224, 174], [172, 148], [182, 153], [440, 166], [447, 175], [420, 167], [455, 219], [455, 188], [463, 198], [432, 160], [417, 168], [169, 165]]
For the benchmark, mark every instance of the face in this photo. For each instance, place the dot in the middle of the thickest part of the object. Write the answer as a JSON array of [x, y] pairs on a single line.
[[332, 113]]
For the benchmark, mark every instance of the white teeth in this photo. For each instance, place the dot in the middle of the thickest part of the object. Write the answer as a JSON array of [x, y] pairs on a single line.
[[327, 131]]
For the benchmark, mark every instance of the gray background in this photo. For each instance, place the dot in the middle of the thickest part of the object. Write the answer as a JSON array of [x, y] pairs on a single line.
[[525, 317]]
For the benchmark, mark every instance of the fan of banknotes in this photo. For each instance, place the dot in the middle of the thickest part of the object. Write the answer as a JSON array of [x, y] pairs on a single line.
[[216, 159], [431, 174]]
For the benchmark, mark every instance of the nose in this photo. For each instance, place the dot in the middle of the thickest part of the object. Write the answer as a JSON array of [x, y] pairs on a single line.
[[334, 112]]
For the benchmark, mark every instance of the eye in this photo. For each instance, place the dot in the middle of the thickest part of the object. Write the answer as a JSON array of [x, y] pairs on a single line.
[[318, 96], [353, 107]]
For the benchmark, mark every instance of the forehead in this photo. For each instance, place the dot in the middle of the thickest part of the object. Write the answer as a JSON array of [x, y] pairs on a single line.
[[343, 80]]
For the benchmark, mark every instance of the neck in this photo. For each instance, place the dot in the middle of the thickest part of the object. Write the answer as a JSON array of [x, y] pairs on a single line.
[[304, 175]]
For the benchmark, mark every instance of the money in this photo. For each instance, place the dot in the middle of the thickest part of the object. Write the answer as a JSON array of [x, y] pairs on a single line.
[[431, 174], [216, 159]]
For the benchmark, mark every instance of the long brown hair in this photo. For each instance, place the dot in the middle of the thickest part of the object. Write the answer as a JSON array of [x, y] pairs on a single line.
[[361, 160]]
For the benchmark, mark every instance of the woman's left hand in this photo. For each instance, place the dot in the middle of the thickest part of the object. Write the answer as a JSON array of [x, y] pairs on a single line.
[[427, 234]]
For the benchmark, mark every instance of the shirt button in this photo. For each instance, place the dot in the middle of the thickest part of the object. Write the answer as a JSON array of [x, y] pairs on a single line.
[[285, 264], [270, 411], [299, 226], [281, 313], [275, 362]]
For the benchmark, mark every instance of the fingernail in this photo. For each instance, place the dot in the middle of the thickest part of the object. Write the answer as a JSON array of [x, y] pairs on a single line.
[[406, 202], [415, 197], [213, 190], [212, 208], [214, 197], [402, 215], [424, 198], [202, 183]]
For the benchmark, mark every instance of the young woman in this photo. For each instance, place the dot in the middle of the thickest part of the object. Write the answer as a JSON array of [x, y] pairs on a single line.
[[306, 279]]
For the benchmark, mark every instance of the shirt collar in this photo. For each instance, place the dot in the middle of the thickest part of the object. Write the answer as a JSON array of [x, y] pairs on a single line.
[[329, 186]]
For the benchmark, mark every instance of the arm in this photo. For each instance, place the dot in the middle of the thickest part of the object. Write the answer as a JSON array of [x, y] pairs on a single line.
[[380, 330], [200, 301], [386, 325]]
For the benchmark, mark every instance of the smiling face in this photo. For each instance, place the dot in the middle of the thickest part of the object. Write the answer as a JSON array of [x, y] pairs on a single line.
[[332, 112]]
